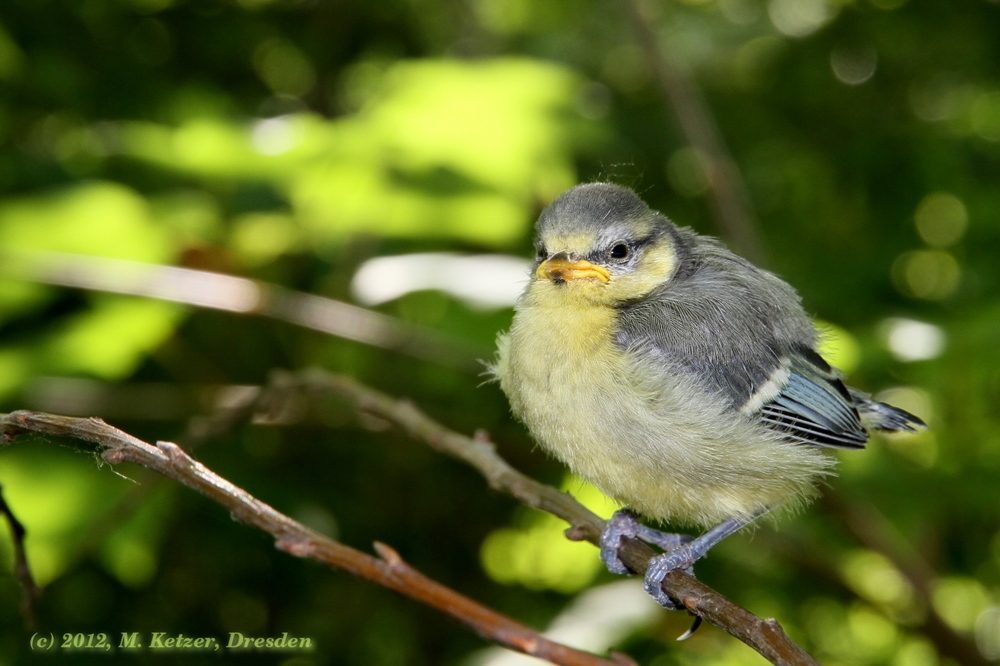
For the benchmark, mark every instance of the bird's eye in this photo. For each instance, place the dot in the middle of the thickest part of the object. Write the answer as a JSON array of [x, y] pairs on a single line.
[[540, 252], [619, 251]]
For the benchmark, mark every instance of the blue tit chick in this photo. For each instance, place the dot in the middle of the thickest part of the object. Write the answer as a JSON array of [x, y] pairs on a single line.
[[674, 375]]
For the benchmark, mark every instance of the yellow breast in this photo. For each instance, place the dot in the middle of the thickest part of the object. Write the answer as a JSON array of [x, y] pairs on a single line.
[[655, 442], [560, 371]]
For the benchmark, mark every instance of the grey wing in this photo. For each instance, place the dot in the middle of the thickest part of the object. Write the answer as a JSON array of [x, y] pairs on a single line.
[[729, 358], [813, 406], [785, 384], [749, 343]]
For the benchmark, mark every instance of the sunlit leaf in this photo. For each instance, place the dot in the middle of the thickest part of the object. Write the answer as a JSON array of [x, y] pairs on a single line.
[[103, 219], [112, 338]]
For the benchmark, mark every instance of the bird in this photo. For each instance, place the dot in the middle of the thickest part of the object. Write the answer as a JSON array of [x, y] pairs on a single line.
[[677, 377]]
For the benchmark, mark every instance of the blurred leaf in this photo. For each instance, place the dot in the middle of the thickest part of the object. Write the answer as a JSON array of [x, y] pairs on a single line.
[[448, 148], [103, 219], [112, 338], [539, 556]]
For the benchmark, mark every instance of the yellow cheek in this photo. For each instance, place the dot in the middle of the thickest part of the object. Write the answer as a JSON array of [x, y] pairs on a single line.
[[654, 269]]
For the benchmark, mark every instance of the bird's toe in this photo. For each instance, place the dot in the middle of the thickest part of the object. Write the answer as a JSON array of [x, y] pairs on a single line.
[[623, 524], [659, 567]]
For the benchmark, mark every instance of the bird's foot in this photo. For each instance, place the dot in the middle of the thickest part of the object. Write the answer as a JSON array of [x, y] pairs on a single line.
[[684, 555], [625, 523], [682, 558], [682, 551]]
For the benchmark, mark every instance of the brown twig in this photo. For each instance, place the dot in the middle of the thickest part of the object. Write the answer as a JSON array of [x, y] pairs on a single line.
[[727, 194], [765, 636], [389, 570], [231, 406], [22, 571]]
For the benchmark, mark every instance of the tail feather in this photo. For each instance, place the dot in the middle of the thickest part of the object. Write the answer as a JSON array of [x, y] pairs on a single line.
[[880, 416]]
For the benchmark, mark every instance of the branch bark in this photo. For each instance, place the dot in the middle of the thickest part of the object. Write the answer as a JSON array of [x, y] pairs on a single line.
[[389, 570], [765, 636]]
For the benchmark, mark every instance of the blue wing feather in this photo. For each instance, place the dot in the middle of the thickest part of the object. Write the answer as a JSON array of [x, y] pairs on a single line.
[[814, 406]]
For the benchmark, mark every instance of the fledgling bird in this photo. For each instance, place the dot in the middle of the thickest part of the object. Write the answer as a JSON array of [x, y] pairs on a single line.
[[674, 375]]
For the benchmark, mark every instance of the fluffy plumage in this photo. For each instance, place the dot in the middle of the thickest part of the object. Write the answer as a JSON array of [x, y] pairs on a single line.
[[674, 375]]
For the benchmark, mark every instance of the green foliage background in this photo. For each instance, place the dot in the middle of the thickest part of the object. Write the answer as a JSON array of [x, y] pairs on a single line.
[[290, 141]]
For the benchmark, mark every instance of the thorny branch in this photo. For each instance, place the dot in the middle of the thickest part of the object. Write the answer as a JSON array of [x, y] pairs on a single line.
[[389, 570], [765, 636]]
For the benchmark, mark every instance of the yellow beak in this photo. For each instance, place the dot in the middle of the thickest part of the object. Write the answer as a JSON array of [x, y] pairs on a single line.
[[561, 270]]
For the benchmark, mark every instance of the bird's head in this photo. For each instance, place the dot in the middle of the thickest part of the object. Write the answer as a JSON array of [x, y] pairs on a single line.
[[600, 243]]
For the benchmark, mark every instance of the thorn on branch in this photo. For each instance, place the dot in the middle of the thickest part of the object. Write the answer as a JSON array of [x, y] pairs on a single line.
[[389, 554], [296, 547], [113, 456], [178, 458], [297, 539]]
